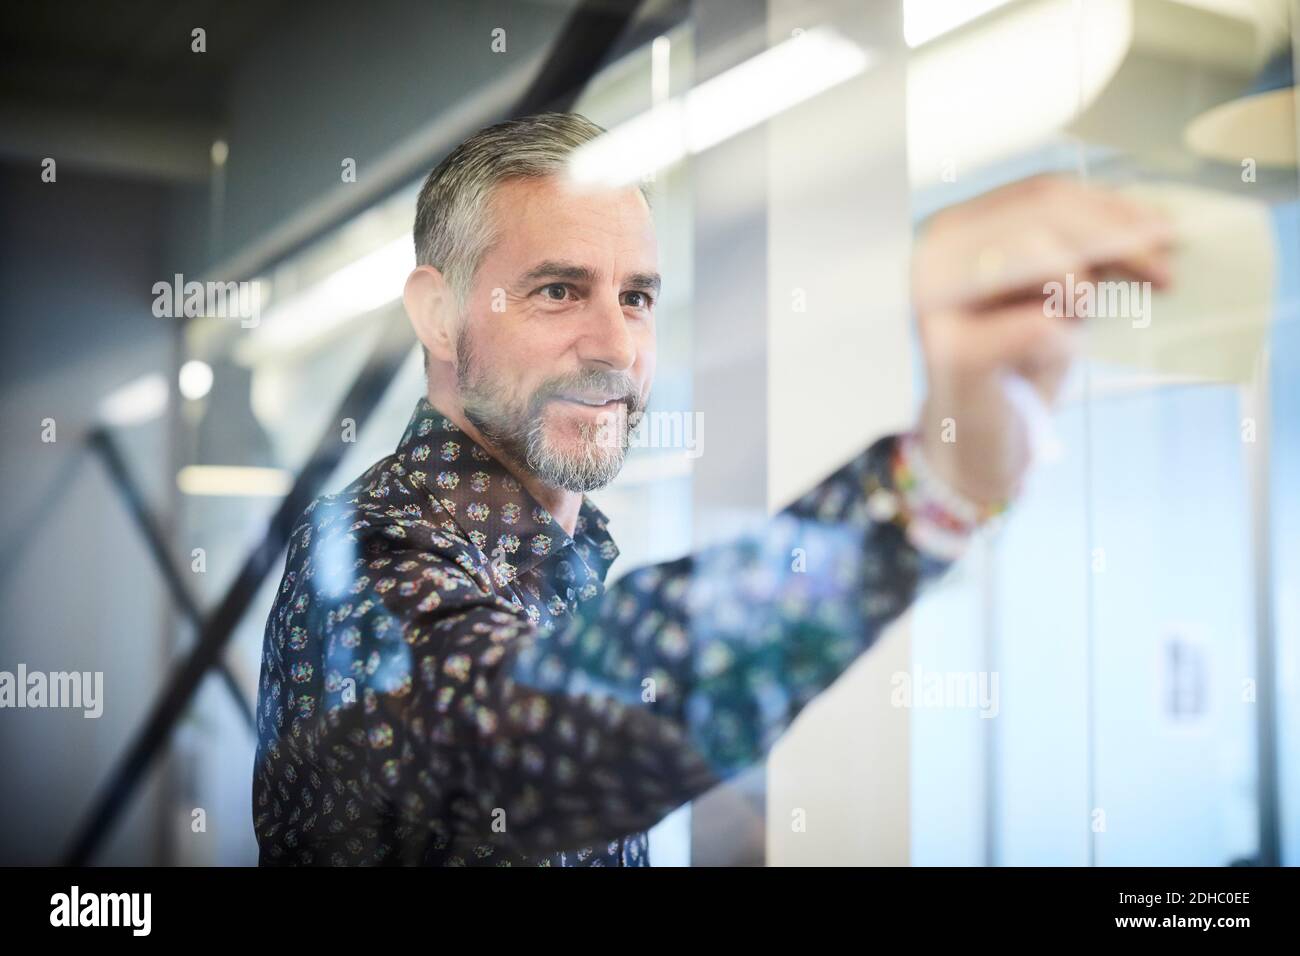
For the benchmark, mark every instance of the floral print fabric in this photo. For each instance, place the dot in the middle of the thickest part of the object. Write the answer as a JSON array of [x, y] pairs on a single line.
[[447, 680]]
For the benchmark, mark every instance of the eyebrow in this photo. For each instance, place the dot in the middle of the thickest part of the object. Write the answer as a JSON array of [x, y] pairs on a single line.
[[573, 272], [644, 280]]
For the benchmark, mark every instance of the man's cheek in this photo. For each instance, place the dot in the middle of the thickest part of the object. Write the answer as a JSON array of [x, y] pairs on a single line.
[[647, 373]]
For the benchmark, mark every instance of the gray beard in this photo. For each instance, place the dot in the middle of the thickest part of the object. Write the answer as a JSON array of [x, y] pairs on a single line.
[[520, 433]]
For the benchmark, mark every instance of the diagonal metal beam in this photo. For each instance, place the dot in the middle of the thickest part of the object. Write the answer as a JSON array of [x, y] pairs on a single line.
[[584, 42], [102, 442], [359, 402]]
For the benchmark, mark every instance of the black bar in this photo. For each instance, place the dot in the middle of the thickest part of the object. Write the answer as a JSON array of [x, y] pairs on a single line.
[[1146, 905]]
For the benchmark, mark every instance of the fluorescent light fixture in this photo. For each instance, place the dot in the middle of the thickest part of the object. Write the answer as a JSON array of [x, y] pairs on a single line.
[[234, 481], [195, 379], [924, 20], [719, 108], [374, 280], [139, 400], [632, 150]]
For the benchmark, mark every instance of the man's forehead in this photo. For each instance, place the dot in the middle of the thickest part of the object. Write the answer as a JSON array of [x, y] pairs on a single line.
[[548, 221], [552, 204], [559, 189]]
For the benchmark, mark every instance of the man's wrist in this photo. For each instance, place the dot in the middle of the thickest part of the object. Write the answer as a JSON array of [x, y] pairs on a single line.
[[937, 519]]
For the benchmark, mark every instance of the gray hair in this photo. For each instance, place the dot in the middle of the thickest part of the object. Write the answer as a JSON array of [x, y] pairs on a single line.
[[453, 227]]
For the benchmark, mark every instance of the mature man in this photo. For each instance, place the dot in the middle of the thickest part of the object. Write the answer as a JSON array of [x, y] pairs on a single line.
[[446, 678]]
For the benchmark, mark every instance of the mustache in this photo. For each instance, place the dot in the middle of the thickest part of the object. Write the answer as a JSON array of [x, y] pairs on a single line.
[[619, 384]]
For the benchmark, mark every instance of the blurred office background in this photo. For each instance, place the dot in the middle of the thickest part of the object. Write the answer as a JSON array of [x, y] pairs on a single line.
[[1136, 616]]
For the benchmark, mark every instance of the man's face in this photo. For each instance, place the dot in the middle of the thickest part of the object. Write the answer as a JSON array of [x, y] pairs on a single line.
[[556, 350]]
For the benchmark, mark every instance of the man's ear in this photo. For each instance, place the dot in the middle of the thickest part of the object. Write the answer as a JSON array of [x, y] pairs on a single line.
[[433, 310]]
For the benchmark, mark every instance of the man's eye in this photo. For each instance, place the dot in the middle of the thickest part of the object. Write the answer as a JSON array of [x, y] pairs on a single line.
[[556, 291], [638, 300]]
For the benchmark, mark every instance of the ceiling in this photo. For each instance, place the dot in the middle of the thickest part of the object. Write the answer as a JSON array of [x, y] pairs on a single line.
[[126, 55]]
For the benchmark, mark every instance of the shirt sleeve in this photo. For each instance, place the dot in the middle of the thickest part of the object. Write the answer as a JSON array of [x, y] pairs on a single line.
[[453, 712]]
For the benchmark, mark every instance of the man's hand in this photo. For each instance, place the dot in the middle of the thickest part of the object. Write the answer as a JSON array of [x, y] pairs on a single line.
[[978, 278]]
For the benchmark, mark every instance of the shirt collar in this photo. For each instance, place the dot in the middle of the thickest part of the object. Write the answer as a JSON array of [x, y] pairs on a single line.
[[488, 504]]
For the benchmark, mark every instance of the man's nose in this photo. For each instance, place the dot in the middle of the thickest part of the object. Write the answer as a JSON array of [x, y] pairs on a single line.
[[606, 340]]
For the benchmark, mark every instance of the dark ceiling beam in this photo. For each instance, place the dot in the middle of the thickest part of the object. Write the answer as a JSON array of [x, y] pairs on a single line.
[[169, 148]]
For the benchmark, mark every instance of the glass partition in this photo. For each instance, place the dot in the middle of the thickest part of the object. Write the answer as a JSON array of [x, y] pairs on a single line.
[[1132, 622]]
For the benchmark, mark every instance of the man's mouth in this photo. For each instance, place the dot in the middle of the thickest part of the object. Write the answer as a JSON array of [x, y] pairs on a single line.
[[603, 402]]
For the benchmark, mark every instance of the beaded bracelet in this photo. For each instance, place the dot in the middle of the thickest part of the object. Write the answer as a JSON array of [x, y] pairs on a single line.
[[935, 518]]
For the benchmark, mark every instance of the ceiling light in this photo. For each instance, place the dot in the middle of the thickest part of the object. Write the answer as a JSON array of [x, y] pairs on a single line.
[[195, 379], [234, 481], [736, 100]]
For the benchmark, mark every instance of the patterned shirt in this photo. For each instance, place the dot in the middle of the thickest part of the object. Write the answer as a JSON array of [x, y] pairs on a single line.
[[447, 680]]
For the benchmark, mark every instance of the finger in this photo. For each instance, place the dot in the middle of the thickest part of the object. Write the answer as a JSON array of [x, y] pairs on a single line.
[[998, 272], [1111, 233], [1009, 244], [1027, 340], [1018, 337]]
